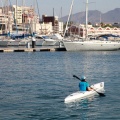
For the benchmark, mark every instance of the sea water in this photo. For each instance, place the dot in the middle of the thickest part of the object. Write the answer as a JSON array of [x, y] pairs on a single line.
[[33, 85]]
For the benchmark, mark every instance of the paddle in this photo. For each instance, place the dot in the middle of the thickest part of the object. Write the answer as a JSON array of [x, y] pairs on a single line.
[[101, 94]]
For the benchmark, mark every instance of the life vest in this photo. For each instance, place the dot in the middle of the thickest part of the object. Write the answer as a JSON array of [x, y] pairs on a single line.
[[83, 86]]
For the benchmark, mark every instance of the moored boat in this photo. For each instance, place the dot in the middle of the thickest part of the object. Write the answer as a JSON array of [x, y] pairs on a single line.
[[90, 45], [4, 43], [93, 45], [98, 87]]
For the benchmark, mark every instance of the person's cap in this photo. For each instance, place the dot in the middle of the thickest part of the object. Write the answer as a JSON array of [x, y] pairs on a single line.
[[83, 77]]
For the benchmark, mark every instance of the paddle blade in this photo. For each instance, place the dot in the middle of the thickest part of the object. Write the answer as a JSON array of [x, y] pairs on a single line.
[[76, 77], [102, 94]]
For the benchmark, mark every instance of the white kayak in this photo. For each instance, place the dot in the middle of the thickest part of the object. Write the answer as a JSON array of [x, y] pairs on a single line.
[[99, 87]]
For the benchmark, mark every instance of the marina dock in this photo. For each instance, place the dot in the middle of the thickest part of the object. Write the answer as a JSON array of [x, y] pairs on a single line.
[[37, 49]]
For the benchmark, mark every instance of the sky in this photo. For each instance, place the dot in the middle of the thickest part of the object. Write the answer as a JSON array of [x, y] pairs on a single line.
[[62, 7]]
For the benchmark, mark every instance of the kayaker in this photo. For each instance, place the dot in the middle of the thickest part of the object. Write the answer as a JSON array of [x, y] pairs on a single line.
[[83, 85]]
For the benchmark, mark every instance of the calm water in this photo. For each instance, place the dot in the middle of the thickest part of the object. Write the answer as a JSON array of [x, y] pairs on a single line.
[[33, 85]]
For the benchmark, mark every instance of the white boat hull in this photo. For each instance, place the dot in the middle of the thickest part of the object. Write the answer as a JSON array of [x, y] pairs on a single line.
[[39, 42], [50, 42], [24, 42], [99, 87], [19, 42], [4, 43], [91, 45], [13, 42]]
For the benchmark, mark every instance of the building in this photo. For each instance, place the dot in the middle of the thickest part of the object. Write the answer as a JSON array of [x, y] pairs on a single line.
[[44, 28], [57, 27], [24, 19], [6, 21], [17, 14], [92, 31]]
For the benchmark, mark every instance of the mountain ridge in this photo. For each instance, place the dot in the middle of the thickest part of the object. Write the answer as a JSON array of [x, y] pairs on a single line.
[[95, 16]]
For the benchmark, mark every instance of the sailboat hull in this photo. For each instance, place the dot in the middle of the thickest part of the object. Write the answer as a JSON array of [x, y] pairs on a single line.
[[91, 45], [3, 43]]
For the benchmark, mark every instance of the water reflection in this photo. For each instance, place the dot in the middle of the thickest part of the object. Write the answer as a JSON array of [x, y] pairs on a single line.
[[85, 108]]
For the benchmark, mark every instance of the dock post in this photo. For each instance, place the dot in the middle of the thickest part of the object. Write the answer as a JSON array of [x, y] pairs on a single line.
[[33, 42], [28, 45]]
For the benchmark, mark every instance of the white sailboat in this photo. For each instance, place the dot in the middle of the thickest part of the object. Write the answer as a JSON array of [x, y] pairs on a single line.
[[90, 45], [12, 39]]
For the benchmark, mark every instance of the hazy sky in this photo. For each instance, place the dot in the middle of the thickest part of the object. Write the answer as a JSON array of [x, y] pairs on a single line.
[[46, 6]]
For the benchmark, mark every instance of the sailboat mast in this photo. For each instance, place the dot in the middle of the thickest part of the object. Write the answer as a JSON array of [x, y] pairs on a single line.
[[23, 15], [86, 19], [68, 17], [16, 11]]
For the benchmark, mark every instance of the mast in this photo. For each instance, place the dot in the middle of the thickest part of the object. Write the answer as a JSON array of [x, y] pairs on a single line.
[[16, 16], [8, 28], [61, 12], [39, 16], [53, 13], [16, 11], [100, 19], [68, 17], [86, 19], [34, 20], [23, 15], [61, 23]]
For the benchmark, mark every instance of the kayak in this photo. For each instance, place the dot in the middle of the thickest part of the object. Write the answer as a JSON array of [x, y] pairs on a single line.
[[97, 88]]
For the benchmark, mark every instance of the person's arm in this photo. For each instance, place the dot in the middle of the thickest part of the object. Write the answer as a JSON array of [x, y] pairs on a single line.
[[88, 87]]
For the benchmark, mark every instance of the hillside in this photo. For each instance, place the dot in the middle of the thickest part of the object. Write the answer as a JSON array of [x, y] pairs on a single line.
[[94, 16]]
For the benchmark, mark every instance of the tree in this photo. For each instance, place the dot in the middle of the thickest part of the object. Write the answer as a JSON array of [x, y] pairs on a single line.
[[102, 24], [89, 23]]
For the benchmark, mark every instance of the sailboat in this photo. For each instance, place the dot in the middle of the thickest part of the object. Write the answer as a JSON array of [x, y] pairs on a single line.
[[90, 45]]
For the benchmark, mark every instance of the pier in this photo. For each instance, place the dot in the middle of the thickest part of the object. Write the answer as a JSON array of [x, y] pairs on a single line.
[[38, 49]]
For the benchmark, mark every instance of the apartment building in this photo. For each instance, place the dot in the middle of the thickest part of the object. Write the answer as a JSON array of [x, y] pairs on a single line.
[[6, 21], [17, 14], [26, 19]]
